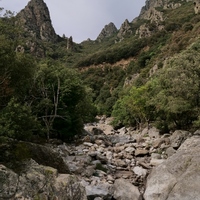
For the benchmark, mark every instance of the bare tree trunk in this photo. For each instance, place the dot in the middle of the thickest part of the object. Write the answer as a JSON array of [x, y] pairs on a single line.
[[49, 118]]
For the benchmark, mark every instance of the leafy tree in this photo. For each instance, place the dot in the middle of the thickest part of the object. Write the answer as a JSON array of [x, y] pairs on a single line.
[[58, 98], [175, 90], [16, 69], [17, 121], [135, 107]]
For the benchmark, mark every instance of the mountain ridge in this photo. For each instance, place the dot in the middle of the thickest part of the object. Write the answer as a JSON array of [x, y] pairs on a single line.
[[35, 18]]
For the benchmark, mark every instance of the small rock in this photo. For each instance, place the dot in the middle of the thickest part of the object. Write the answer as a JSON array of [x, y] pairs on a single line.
[[156, 162], [110, 178], [130, 149], [99, 142], [99, 190], [154, 133], [102, 158], [98, 198], [120, 163], [156, 155], [88, 144], [140, 171], [141, 152], [109, 155], [157, 143], [170, 151]]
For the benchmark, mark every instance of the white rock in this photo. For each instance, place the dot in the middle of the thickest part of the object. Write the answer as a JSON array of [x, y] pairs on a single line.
[[154, 133], [130, 149], [140, 171], [156, 155], [109, 155], [110, 178], [156, 162], [88, 144]]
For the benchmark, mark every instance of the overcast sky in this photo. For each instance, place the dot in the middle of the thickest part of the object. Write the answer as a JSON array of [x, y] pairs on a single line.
[[83, 19]]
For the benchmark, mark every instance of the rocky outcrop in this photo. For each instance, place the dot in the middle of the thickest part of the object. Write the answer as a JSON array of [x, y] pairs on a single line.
[[179, 176], [39, 182], [125, 29], [152, 11], [14, 154], [143, 31], [107, 31], [149, 10], [35, 19], [164, 4], [70, 43], [152, 15]]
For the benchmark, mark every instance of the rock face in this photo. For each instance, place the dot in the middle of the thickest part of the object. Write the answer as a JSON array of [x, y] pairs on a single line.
[[155, 16], [70, 43], [125, 29], [178, 177], [36, 20], [165, 4], [39, 182], [149, 9], [107, 31]]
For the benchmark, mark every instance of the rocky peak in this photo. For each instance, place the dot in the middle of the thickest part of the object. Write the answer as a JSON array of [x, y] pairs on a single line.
[[35, 18], [150, 13], [107, 31], [124, 29]]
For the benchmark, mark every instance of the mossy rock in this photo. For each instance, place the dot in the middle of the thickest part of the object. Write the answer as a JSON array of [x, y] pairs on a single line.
[[13, 154]]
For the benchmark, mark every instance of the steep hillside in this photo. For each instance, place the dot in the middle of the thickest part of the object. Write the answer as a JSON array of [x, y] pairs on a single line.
[[119, 65], [160, 31]]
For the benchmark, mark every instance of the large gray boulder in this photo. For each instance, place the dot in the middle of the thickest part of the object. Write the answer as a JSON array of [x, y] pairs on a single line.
[[124, 190], [178, 137], [14, 153], [39, 182], [178, 177]]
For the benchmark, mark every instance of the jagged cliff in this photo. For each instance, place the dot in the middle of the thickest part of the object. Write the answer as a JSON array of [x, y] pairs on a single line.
[[125, 29], [153, 12], [150, 12], [35, 18], [107, 31]]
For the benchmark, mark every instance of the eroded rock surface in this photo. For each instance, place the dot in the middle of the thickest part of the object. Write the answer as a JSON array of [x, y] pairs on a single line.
[[107, 31], [178, 177], [35, 18], [39, 182]]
